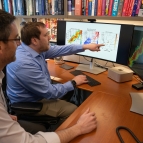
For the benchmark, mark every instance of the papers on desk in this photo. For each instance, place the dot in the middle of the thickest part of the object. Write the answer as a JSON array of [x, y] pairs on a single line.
[[137, 102]]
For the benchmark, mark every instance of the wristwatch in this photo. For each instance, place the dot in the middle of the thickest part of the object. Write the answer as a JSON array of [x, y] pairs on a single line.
[[73, 83]]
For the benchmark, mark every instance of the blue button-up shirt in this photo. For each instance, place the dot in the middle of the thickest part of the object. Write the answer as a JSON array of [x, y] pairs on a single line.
[[28, 78]]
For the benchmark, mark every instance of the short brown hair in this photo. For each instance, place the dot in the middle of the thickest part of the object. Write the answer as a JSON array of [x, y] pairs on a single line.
[[6, 20], [31, 30]]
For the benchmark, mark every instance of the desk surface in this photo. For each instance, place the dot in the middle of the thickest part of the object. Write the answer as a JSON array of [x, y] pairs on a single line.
[[110, 101]]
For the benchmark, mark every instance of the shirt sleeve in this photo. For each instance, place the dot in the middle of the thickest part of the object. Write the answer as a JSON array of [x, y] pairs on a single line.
[[56, 51], [50, 137], [12, 132], [39, 85]]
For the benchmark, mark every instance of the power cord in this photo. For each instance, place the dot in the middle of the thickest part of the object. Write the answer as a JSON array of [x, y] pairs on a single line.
[[127, 129]]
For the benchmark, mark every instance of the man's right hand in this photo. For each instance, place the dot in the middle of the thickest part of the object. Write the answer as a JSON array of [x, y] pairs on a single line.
[[87, 122], [80, 79]]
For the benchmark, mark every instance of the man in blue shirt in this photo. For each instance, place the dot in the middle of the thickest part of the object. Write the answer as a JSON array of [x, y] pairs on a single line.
[[28, 77]]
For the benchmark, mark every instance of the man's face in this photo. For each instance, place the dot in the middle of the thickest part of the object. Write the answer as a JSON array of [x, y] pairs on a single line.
[[44, 40], [8, 49]]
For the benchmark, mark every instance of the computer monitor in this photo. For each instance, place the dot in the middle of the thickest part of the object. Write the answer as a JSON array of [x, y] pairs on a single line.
[[116, 37], [136, 55]]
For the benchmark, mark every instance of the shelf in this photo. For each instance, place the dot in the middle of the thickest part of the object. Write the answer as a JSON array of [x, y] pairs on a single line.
[[105, 17], [41, 16]]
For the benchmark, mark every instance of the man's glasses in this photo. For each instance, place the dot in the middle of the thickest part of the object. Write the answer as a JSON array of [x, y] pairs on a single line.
[[16, 39]]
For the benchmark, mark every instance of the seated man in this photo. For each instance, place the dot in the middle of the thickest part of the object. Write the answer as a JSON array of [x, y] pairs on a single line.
[[28, 77], [10, 130]]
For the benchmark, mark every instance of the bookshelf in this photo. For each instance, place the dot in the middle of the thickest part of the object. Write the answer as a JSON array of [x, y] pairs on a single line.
[[66, 16]]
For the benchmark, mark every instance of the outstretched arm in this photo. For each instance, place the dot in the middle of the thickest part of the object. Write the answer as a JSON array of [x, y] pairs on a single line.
[[85, 124]]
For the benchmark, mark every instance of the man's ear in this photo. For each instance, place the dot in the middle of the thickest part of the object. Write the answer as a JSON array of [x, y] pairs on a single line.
[[34, 41]]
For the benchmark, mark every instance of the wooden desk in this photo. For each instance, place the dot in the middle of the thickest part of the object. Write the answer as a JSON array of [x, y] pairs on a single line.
[[111, 102]]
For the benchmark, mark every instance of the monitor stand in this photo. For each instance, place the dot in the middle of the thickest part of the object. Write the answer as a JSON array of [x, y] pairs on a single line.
[[90, 68]]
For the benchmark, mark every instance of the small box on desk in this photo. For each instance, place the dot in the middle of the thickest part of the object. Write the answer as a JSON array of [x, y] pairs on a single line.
[[120, 74]]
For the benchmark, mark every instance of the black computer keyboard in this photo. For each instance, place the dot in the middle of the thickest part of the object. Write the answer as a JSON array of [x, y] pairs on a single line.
[[92, 82]]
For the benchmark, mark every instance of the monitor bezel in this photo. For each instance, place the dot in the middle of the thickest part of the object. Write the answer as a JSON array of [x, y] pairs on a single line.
[[121, 38]]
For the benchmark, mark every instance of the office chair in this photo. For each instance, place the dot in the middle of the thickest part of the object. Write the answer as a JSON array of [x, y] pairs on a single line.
[[27, 110]]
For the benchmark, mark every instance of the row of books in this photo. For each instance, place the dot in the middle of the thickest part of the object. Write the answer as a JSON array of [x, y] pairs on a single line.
[[105, 7], [33, 7]]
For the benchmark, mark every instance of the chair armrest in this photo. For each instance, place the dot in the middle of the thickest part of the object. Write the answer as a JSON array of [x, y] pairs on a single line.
[[26, 107]]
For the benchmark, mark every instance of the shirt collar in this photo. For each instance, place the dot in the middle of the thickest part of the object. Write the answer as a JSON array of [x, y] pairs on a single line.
[[30, 50]]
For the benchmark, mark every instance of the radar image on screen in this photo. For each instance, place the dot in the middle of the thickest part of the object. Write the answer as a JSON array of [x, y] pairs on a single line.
[[136, 52], [86, 33]]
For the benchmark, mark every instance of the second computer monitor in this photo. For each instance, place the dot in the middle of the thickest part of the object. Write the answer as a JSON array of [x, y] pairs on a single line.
[[116, 37]]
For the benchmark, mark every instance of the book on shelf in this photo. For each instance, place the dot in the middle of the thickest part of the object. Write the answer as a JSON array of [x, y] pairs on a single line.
[[78, 7], [141, 10], [115, 7], [138, 7], [69, 7], [99, 8], [120, 8], [103, 7], [89, 7], [107, 7]]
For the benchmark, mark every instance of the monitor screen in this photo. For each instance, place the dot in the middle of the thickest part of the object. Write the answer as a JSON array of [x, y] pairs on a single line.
[[136, 52], [116, 37]]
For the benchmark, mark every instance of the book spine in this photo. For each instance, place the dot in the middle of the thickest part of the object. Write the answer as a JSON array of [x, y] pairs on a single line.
[[89, 7], [86, 11], [30, 8], [124, 7], [69, 7], [127, 8], [46, 7], [110, 7], [62, 7], [40, 7], [43, 7], [138, 6], [141, 9], [103, 7], [56, 7], [14, 6], [5, 2], [84, 7], [96, 7], [99, 11], [33, 6], [78, 7], [134, 7], [73, 7], [107, 7], [59, 7], [37, 7], [53, 7], [18, 7], [131, 7], [120, 8], [50, 6], [10, 6], [115, 8], [93, 8]]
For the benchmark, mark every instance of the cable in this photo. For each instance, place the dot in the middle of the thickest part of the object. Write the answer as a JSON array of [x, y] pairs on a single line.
[[138, 79], [127, 129]]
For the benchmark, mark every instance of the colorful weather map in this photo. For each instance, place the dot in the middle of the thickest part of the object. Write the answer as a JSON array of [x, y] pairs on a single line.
[[86, 33]]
